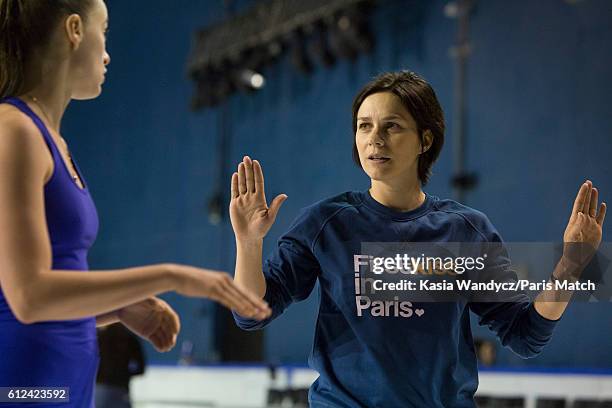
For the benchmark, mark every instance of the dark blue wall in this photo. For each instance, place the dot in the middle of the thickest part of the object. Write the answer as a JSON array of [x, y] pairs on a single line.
[[539, 123]]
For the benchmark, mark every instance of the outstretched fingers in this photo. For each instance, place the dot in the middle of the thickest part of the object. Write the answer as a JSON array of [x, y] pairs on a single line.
[[258, 178], [276, 204], [235, 303], [586, 204], [250, 178], [233, 297], [235, 192], [260, 309], [602, 213], [580, 199], [242, 185], [593, 203]]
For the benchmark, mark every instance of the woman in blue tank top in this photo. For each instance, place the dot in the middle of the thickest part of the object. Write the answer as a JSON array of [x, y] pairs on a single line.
[[52, 52]]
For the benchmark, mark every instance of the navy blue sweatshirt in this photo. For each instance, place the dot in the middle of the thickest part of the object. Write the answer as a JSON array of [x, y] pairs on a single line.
[[424, 360]]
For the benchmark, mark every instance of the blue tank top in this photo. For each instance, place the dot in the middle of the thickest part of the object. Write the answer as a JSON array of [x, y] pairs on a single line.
[[55, 353]]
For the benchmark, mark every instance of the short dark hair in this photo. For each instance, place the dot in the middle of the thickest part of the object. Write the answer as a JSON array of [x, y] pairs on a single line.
[[419, 99], [24, 26]]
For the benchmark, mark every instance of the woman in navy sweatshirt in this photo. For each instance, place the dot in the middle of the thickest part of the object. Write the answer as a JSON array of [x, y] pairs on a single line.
[[391, 354]]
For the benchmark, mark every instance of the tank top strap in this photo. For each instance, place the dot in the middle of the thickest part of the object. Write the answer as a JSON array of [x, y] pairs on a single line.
[[23, 107]]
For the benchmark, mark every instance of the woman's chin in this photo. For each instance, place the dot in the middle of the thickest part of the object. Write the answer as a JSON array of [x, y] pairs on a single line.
[[89, 94], [377, 175]]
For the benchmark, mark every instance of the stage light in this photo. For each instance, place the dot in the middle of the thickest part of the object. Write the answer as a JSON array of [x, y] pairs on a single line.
[[238, 50], [250, 79]]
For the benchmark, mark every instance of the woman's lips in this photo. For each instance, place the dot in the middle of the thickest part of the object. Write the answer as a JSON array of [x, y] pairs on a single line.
[[379, 160]]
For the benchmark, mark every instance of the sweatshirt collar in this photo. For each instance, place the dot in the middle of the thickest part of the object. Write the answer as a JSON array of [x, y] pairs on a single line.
[[374, 205]]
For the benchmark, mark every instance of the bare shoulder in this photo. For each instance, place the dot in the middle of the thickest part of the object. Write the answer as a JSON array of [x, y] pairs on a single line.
[[21, 143], [15, 126]]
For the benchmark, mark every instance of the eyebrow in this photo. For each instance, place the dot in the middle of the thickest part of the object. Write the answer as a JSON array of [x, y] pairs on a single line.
[[394, 116]]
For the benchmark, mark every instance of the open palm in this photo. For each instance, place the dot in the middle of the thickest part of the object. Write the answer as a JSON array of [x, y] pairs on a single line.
[[585, 223], [249, 212], [584, 230]]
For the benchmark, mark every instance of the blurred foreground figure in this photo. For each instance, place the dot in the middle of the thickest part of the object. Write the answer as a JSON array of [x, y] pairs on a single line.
[[121, 358]]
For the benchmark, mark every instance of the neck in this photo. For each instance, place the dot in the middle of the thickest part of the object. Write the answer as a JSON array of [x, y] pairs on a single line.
[[47, 91], [399, 197]]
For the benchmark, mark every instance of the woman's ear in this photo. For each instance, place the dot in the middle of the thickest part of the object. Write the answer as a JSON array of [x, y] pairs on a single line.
[[427, 140], [74, 30]]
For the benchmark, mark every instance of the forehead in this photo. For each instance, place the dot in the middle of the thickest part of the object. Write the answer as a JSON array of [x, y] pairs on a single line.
[[98, 11], [383, 104]]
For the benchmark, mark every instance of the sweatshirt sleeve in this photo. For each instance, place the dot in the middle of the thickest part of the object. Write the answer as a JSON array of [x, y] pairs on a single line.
[[513, 318], [290, 272]]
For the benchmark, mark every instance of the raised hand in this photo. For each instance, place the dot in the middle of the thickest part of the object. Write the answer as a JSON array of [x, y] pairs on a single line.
[[584, 230], [153, 320], [586, 222], [250, 215]]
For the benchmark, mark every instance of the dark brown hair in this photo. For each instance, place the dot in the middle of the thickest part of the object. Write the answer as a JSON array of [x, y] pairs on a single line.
[[26, 25], [419, 99]]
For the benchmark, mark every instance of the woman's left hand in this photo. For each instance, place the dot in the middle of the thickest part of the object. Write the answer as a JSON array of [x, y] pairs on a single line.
[[153, 320], [584, 230]]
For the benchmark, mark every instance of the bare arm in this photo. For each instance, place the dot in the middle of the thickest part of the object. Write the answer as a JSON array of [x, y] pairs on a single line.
[[551, 304], [581, 239], [248, 272], [107, 318], [58, 295], [37, 293]]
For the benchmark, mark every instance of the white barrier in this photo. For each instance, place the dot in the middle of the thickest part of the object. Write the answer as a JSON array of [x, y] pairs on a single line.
[[247, 387]]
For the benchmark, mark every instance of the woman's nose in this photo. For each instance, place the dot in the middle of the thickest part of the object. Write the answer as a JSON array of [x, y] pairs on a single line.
[[377, 136]]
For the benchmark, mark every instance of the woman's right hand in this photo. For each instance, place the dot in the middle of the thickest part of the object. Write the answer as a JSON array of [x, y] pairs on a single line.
[[250, 215], [220, 287]]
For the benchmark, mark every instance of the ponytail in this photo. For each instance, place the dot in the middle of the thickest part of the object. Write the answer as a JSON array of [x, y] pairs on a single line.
[[13, 46]]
